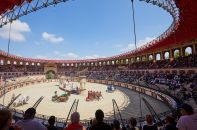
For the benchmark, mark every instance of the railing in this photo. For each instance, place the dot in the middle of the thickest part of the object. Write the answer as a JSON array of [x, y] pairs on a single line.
[[18, 114]]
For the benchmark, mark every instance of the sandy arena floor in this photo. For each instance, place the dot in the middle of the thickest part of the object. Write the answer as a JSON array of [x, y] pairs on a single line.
[[86, 109]]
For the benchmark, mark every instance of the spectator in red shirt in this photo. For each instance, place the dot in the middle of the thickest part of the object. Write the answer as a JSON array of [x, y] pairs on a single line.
[[75, 124]]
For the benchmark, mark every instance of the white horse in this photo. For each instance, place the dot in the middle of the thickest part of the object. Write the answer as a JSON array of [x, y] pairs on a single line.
[[21, 101]]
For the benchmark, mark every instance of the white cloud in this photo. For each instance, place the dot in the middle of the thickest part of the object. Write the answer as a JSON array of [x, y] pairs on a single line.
[[68, 56], [19, 55], [129, 47], [140, 43], [72, 55], [18, 29], [57, 55], [145, 41], [52, 38], [93, 57], [41, 57]]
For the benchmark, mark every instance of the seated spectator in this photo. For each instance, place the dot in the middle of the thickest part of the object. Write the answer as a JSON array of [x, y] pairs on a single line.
[[149, 125], [132, 124], [100, 125], [116, 125], [188, 119], [75, 124], [51, 122], [92, 123], [29, 122], [170, 123], [6, 120]]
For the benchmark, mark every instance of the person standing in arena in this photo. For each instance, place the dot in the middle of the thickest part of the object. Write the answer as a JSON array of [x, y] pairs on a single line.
[[188, 119], [29, 122]]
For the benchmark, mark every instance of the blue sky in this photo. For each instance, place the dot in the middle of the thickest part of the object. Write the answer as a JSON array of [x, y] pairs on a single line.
[[84, 29]]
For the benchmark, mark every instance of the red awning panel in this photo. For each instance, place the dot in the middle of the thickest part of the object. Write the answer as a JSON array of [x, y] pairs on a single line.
[[185, 30], [6, 5]]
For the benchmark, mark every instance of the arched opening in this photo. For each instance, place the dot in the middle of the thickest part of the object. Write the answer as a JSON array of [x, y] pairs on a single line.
[[176, 53], [138, 59], [158, 56], [150, 57], [127, 61], [8, 62], [121, 61], [143, 58], [132, 60], [50, 74], [188, 51], [2, 62], [166, 55]]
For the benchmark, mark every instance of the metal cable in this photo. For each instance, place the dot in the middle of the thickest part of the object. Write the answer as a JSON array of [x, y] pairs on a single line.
[[8, 51], [135, 37]]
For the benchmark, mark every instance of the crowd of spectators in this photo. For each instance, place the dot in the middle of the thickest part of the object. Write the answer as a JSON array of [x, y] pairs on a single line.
[[183, 85], [21, 68], [187, 121]]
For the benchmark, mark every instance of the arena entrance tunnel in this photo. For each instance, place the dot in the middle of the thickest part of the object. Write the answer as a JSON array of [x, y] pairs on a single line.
[[50, 74]]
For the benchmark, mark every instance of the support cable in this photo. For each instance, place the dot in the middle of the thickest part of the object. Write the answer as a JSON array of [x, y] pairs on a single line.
[[135, 38], [8, 51]]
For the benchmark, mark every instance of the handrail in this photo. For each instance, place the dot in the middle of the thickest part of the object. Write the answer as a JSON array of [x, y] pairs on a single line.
[[12, 101], [38, 102], [72, 109], [64, 121], [116, 109]]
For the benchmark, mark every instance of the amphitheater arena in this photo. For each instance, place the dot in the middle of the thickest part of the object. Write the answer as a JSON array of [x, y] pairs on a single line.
[[135, 94]]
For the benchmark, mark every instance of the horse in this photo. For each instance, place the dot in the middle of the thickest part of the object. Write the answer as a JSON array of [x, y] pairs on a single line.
[[21, 101]]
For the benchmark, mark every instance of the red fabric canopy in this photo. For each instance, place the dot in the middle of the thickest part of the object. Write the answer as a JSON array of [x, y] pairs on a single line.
[[186, 30], [6, 5]]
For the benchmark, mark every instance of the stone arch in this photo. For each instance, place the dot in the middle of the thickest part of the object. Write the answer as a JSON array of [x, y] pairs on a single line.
[[150, 57], [167, 55], [158, 56], [188, 51], [50, 74], [176, 53]]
